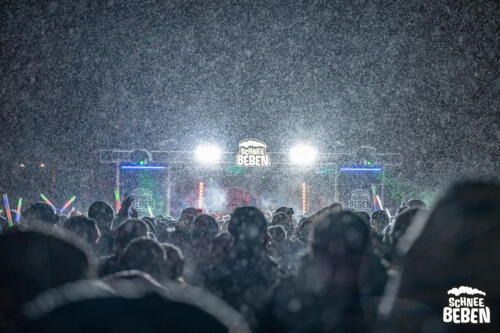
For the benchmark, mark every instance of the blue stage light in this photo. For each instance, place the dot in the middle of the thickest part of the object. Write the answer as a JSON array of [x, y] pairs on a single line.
[[142, 167], [355, 169]]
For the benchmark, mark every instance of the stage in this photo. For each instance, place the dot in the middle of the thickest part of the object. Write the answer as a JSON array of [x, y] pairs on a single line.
[[164, 183]]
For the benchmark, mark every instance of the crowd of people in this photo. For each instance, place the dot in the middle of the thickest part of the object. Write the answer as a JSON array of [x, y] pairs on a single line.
[[336, 270]]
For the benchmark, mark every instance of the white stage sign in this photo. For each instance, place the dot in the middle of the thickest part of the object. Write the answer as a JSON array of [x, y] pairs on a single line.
[[252, 153]]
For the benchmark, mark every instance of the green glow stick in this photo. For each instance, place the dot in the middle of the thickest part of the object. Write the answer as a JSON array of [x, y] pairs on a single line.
[[374, 191], [48, 202], [66, 205], [117, 198], [18, 211]]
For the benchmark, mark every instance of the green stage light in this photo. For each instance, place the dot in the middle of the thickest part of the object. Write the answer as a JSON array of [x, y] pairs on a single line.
[[235, 170]]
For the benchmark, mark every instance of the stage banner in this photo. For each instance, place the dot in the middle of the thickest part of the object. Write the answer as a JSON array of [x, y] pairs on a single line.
[[252, 153]]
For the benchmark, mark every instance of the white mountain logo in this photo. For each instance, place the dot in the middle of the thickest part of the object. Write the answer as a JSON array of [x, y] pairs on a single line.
[[465, 290], [466, 306]]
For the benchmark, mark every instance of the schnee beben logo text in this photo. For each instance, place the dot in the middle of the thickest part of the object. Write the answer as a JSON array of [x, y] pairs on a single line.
[[466, 306]]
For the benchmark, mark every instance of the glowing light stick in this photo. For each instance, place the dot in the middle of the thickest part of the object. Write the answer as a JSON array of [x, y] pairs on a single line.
[[117, 198], [48, 202], [18, 210], [7, 209], [374, 191], [303, 198], [66, 205], [150, 212], [200, 195], [379, 202], [388, 213]]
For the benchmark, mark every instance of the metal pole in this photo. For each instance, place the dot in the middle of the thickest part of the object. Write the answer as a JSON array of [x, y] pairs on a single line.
[[382, 186], [169, 184], [336, 199], [117, 176]]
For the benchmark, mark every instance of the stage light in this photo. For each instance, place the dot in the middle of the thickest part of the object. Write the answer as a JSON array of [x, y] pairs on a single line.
[[303, 198], [200, 195], [127, 166], [140, 156], [209, 154], [355, 169], [365, 156], [303, 154], [22, 165], [42, 165]]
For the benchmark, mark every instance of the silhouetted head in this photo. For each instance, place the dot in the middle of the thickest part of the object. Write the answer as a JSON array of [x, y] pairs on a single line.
[[151, 224], [365, 217], [40, 212], [286, 210], [188, 216], [379, 221], [84, 227], [203, 230], [102, 213], [335, 207], [277, 232], [129, 230], [85, 309], [175, 261], [34, 261], [283, 220], [340, 238], [416, 203], [144, 254], [453, 245], [221, 244], [74, 213], [402, 223], [248, 225], [304, 230]]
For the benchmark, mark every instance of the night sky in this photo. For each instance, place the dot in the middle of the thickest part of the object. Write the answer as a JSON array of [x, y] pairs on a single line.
[[416, 77]]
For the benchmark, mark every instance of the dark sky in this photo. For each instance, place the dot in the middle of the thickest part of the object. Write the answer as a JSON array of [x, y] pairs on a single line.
[[418, 77]]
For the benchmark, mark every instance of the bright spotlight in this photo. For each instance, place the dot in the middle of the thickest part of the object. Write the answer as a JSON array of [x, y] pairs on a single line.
[[303, 155], [208, 154]]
